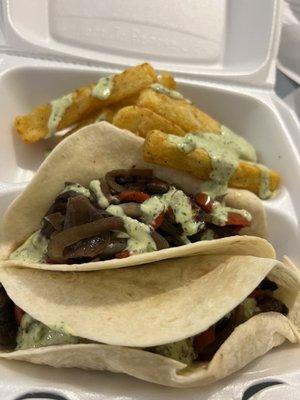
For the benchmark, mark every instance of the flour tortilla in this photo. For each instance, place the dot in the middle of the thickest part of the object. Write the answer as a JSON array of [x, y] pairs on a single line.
[[151, 305], [89, 154]]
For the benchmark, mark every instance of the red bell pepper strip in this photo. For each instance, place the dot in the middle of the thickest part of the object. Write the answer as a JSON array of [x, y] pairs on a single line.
[[158, 220], [18, 314], [132, 195], [123, 254], [237, 219], [204, 339], [205, 202]]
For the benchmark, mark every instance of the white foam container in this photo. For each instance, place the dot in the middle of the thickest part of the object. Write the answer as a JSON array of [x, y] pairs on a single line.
[[289, 50], [223, 54]]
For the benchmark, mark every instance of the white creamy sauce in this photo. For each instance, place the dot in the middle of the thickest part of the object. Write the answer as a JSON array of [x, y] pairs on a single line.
[[250, 307], [225, 150], [181, 206], [169, 92], [34, 249], [95, 187], [264, 187], [140, 239], [208, 235], [102, 90], [220, 212], [76, 187], [58, 108], [33, 334], [184, 239]]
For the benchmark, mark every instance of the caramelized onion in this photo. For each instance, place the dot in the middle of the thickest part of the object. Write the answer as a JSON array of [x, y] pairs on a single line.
[[59, 241]]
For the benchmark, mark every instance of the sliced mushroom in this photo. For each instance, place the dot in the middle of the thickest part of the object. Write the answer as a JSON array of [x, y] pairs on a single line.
[[173, 231], [132, 209], [88, 248], [56, 220], [157, 186], [105, 189], [80, 211], [114, 246], [160, 241], [117, 178], [59, 241]]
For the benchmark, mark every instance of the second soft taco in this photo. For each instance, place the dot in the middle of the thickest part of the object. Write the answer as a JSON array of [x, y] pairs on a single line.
[[184, 322]]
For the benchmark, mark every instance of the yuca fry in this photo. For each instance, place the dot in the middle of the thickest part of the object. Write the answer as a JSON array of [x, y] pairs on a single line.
[[141, 120], [129, 101], [106, 114], [33, 126], [182, 113], [158, 150], [166, 79]]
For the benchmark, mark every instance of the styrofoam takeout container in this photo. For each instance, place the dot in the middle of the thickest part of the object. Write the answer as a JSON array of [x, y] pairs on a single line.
[[223, 55], [289, 50]]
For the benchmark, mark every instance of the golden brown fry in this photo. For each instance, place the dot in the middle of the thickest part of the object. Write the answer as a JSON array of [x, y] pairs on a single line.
[[104, 115], [166, 79], [159, 150], [141, 120], [33, 126], [130, 101], [181, 112]]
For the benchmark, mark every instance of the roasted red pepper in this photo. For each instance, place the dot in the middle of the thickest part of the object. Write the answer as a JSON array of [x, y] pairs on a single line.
[[18, 314], [158, 220], [123, 254], [132, 195], [237, 220], [256, 293], [204, 339], [205, 202]]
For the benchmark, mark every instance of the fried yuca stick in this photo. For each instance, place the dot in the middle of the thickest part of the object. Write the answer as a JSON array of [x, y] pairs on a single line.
[[141, 120], [167, 80], [106, 114], [159, 150], [34, 126], [181, 112]]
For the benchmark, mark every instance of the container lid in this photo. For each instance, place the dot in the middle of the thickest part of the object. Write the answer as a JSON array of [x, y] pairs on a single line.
[[223, 40]]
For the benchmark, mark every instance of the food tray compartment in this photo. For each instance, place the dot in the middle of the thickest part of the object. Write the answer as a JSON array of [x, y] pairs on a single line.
[[250, 113], [289, 56], [220, 42]]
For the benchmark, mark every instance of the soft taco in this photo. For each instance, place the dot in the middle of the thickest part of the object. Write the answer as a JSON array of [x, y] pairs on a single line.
[[184, 322], [95, 201]]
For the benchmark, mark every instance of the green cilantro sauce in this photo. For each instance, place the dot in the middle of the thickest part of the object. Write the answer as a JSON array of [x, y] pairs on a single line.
[[95, 187], [264, 187], [140, 239], [33, 334], [34, 249], [181, 206], [182, 351], [76, 187], [220, 213], [102, 90], [208, 235], [225, 150], [250, 307], [169, 92], [58, 108]]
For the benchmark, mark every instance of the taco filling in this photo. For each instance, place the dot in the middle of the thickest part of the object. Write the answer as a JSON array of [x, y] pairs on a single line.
[[20, 331], [127, 212]]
